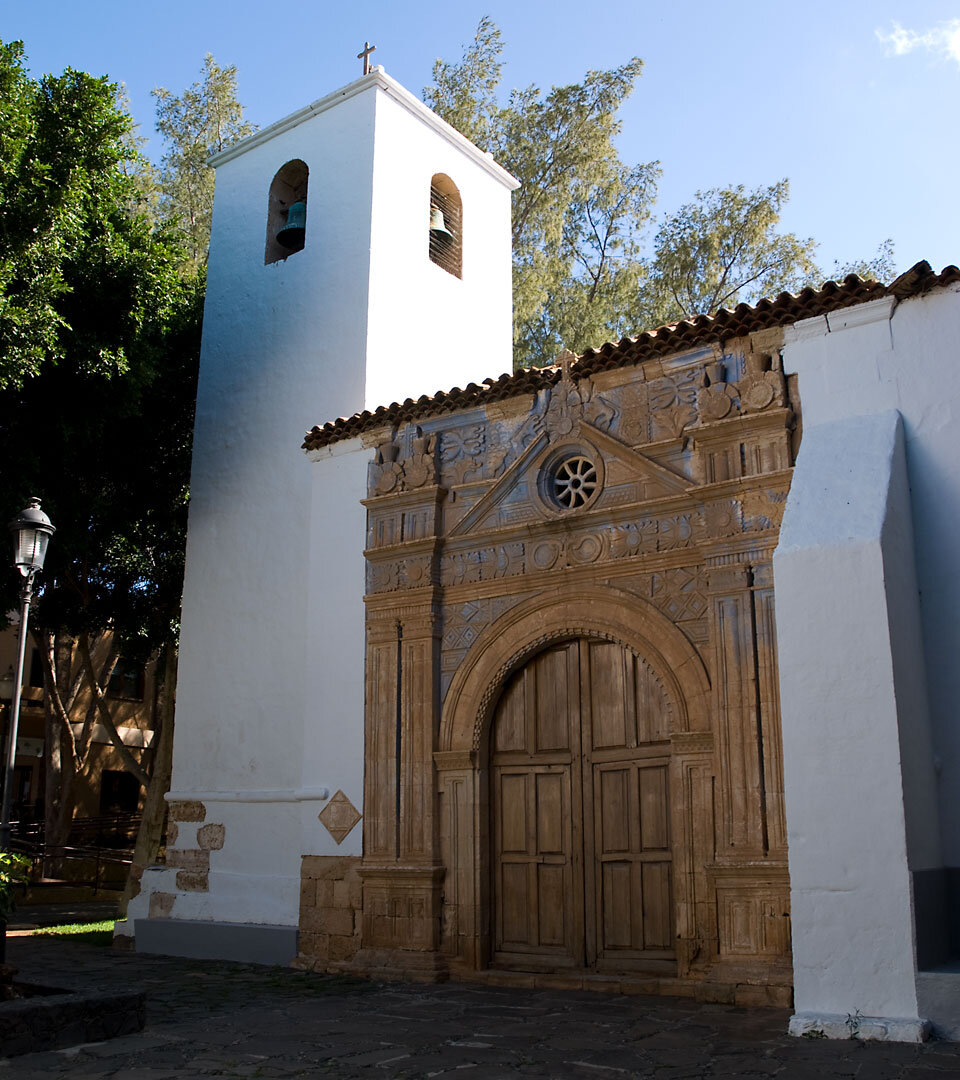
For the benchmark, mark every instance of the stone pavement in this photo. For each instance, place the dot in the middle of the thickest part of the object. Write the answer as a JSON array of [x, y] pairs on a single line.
[[212, 1019]]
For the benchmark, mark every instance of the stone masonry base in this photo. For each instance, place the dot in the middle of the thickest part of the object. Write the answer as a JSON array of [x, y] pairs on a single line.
[[330, 907], [855, 1026]]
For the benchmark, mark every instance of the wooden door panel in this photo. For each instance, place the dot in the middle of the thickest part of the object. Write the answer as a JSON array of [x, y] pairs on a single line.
[[535, 912], [514, 897], [657, 905], [654, 808], [617, 892], [512, 806], [615, 810], [510, 729], [552, 903], [553, 827], [552, 683], [580, 807], [609, 698], [652, 705]]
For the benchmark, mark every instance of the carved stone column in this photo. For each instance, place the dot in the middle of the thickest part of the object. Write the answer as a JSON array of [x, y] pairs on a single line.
[[400, 925], [691, 783], [741, 809]]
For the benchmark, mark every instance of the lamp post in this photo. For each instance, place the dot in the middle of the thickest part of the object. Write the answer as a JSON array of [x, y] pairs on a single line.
[[6, 698], [32, 531]]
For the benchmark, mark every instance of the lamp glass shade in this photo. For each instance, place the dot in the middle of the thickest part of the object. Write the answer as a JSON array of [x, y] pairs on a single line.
[[32, 531]]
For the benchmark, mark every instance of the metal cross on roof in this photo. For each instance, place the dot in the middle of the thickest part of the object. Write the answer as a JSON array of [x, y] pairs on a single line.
[[365, 56]]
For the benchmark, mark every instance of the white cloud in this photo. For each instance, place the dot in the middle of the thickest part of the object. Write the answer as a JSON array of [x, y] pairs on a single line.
[[942, 40]]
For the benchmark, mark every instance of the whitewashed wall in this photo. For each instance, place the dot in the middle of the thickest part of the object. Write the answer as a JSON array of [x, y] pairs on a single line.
[[333, 733], [867, 636], [270, 694], [429, 330]]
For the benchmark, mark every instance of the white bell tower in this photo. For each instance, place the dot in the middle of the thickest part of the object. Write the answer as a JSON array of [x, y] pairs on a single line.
[[391, 278]]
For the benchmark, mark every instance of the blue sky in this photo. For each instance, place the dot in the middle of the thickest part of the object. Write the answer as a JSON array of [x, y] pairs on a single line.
[[854, 100]]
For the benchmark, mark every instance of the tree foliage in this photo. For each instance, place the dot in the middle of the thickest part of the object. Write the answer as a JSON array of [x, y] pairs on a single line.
[[68, 244], [103, 434], [721, 249], [589, 262], [204, 119], [579, 210]]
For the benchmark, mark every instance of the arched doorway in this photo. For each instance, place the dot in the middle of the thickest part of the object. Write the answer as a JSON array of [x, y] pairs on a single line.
[[581, 857]]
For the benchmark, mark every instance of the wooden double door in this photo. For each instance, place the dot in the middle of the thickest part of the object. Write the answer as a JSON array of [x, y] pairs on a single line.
[[581, 854]]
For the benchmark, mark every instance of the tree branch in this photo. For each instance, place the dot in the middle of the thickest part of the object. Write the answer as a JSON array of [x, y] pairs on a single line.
[[131, 763]]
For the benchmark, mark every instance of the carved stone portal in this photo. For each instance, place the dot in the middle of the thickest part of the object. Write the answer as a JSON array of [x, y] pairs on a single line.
[[573, 763]]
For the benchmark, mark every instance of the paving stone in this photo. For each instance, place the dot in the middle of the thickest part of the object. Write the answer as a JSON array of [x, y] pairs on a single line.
[[211, 1018]]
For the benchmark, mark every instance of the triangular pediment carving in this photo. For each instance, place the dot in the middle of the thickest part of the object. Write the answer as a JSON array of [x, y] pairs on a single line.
[[489, 510], [628, 476]]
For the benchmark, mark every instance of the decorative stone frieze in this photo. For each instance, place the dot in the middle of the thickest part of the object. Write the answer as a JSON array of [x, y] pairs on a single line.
[[474, 571]]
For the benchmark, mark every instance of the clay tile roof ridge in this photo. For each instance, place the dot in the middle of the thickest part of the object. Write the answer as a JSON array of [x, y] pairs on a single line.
[[785, 308]]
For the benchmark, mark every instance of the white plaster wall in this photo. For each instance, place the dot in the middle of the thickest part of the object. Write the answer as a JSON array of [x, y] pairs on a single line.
[[270, 690], [333, 733], [850, 885], [283, 347], [877, 357], [429, 330]]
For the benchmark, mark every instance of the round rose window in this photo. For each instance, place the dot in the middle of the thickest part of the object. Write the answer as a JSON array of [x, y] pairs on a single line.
[[574, 482]]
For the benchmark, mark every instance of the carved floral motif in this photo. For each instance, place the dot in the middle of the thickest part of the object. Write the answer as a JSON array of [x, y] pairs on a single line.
[[389, 475], [570, 402], [764, 509], [761, 387], [673, 402]]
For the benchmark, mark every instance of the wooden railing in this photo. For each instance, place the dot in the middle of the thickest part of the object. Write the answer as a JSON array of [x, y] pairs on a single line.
[[93, 845]]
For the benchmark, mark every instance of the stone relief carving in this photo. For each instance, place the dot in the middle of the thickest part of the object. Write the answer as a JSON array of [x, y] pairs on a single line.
[[389, 474], [462, 453], [718, 399], [462, 625], [722, 518], [764, 509], [420, 468], [484, 564], [673, 402], [679, 593], [761, 387], [714, 520], [571, 401], [634, 419]]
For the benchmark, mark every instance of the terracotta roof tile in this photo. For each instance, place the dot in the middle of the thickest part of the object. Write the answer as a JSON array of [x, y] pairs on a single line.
[[687, 334]]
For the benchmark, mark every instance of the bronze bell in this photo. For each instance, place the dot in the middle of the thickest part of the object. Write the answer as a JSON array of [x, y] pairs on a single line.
[[292, 234], [438, 227]]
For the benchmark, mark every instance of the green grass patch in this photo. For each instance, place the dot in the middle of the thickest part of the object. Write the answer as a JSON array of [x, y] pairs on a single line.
[[96, 933]]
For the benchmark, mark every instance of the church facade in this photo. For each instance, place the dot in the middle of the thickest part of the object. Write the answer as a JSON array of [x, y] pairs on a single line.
[[627, 672]]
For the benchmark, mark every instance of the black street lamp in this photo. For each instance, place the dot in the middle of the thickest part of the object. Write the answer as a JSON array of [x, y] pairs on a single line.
[[32, 531]]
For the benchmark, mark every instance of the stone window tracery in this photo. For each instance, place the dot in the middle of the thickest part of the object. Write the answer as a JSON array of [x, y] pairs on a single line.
[[570, 479]]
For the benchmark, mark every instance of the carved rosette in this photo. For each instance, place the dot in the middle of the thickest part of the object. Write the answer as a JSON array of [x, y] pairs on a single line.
[[761, 388], [419, 469]]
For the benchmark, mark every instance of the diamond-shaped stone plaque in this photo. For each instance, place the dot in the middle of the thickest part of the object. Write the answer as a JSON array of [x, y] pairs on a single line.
[[339, 816]]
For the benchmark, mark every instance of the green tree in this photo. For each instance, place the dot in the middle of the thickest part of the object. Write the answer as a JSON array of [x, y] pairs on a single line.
[[721, 249], [882, 267], [204, 119], [582, 218], [65, 159], [103, 434], [579, 211]]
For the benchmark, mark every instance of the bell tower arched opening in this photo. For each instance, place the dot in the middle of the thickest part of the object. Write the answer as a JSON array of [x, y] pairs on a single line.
[[446, 225], [287, 212]]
